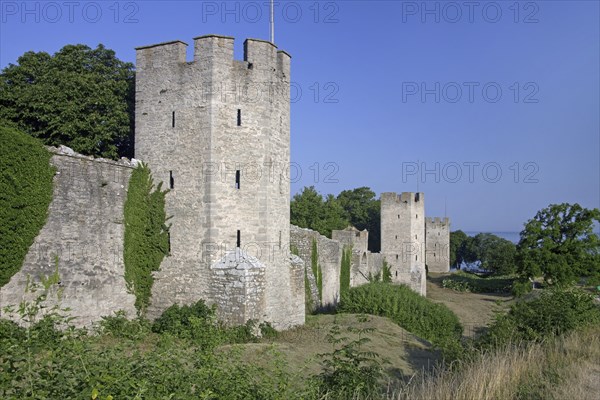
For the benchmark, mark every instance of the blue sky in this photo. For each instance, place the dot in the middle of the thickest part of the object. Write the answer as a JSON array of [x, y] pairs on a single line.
[[490, 108]]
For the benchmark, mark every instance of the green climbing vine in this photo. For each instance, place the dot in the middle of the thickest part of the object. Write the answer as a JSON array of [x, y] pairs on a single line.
[[25, 194], [316, 268], [386, 272], [345, 270], [146, 234]]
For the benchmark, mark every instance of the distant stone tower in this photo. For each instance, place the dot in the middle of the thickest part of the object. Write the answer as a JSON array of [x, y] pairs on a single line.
[[437, 244], [216, 131], [403, 236]]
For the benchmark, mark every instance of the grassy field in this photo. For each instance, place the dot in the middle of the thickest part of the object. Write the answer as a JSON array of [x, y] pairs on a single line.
[[562, 368], [403, 353], [475, 310]]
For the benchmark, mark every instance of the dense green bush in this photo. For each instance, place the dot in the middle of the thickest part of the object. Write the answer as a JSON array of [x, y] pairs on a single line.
[[10, 333], [198, 322], [349, 371], [521, 287], [25, 194], [123, 359], [120, 326], [70, 364], [415, 313], [146, 234], [554, 312], [469, 282]]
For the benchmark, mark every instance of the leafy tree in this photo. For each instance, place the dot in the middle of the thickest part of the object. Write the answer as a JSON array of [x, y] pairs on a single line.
[[309, 210], [496, 254], [457, 239], [363, 211], [79, 97], [469, 251], [559, 244], [331, 216]]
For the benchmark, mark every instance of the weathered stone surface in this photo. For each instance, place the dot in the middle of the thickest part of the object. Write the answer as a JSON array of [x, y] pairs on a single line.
[[437, 244], [329, 257], [403, 237], [217, 131], [84, 235]]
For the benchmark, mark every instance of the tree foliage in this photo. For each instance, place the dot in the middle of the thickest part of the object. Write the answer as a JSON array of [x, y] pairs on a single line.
[[357, 207], [559, 244], [497, 255], [79, 97], [146, 234], [310, 210], [457, 242], [363, 211], [25, 194]]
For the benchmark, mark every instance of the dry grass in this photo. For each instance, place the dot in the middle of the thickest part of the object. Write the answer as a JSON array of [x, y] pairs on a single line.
[[565, 368], [405, 353], [474, 310]]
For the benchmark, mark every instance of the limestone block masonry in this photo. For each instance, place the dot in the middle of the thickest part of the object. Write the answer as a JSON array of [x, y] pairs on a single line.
[[403, 237], [84, 235], [216, 131], [437, 242], [329, 254]]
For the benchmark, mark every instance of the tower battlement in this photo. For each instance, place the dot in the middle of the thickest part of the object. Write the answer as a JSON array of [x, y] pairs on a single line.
[[402, 198], [437, 241], [213, 50], [437, 221]]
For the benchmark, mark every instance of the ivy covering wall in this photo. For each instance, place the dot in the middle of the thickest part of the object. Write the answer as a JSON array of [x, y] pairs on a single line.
[[316, 268], [146, 234], [25, 194], [345, 270]]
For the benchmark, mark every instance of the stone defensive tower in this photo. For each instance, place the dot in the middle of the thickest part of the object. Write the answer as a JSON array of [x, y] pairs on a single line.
[[403, 236], [216, 132], [437, 244]]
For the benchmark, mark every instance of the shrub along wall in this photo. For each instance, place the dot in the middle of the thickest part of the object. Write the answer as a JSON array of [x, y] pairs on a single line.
[[413, 312]]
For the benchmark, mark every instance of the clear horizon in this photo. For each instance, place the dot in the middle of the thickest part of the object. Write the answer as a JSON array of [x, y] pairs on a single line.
[[492, 110]]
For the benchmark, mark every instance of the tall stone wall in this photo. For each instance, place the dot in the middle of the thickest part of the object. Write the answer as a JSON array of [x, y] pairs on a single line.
[[364, 263], [351, 236], [403, 238], [217, 132], [329, 257], [84, 236], [437, 244]]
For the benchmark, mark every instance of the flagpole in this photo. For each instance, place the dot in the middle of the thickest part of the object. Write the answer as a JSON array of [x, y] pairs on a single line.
[[272, 24]]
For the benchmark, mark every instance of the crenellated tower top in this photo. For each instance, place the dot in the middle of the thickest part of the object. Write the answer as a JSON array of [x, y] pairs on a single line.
[[213, 50]]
